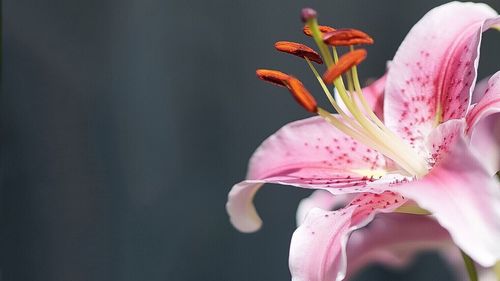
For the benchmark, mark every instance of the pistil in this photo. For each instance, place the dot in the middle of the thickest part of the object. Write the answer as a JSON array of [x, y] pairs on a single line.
[[308, 16]]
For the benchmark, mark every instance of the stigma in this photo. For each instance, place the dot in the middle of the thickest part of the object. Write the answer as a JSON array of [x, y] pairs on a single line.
[[356, 119]]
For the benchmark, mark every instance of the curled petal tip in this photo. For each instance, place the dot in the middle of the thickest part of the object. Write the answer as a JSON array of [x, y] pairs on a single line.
[[347, 37], [322, 28], [344, 64], [299, 50], [273, 76], [239, 206], [307, 14]]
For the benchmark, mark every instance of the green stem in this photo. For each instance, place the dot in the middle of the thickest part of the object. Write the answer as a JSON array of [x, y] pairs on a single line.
[[412, 209], [470, 266], [496, 269]]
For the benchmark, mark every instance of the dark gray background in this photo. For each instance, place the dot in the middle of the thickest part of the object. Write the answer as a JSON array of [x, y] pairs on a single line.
[[125, 123]]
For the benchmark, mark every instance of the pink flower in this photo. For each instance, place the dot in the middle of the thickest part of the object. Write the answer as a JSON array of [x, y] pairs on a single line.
[[433, 149]]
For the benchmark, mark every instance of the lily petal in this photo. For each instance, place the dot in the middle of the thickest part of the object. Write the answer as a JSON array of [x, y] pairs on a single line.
[[431, 82], [309, 153], [391, 239], [242, 212], [480, 90], [310, 143], [483, 123], [318, 247], [462, 195], [319, 199]]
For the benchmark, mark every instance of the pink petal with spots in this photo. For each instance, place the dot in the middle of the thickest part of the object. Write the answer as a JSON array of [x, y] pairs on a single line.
[[461, 74], [434, 70], [318, 247], [484, 125], [244, 216], [393, 240], [309, 153], [443, 138], [311, 143], [374, 95], [320, 199], [462, 196]]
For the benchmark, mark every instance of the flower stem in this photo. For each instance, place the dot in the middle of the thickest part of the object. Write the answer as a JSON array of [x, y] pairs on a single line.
[[412, 209], [496, 269], [470, 266]]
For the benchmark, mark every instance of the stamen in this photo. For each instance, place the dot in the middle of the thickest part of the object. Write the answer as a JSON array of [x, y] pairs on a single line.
[[363, 138], [376, 133], [273, 76], [355, 73], [330, 97], [296, 88], [335, 54], [364, 102], [345, 63], [347, 37], [323, 28], [302, 95], [299, 50], [350, 84], [360, 131]]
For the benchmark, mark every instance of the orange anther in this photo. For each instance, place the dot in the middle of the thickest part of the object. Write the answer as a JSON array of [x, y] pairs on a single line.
[[344, 64], [302, 95], [299, 50], [296, 88], [347, 37], [323, 28], [273, 76]]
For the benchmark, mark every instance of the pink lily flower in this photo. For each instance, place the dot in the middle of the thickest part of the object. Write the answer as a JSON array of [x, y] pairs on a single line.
[[433, 149]]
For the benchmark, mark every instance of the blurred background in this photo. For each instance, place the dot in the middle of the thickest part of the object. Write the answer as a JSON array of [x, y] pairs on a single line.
[[125, 123]]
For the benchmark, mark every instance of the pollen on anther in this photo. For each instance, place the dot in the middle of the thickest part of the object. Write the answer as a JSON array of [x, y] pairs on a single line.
[[322, 28], [296, 88], [302, 95], [299, 50], [345, 63], [347, 37], [273, 76]]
